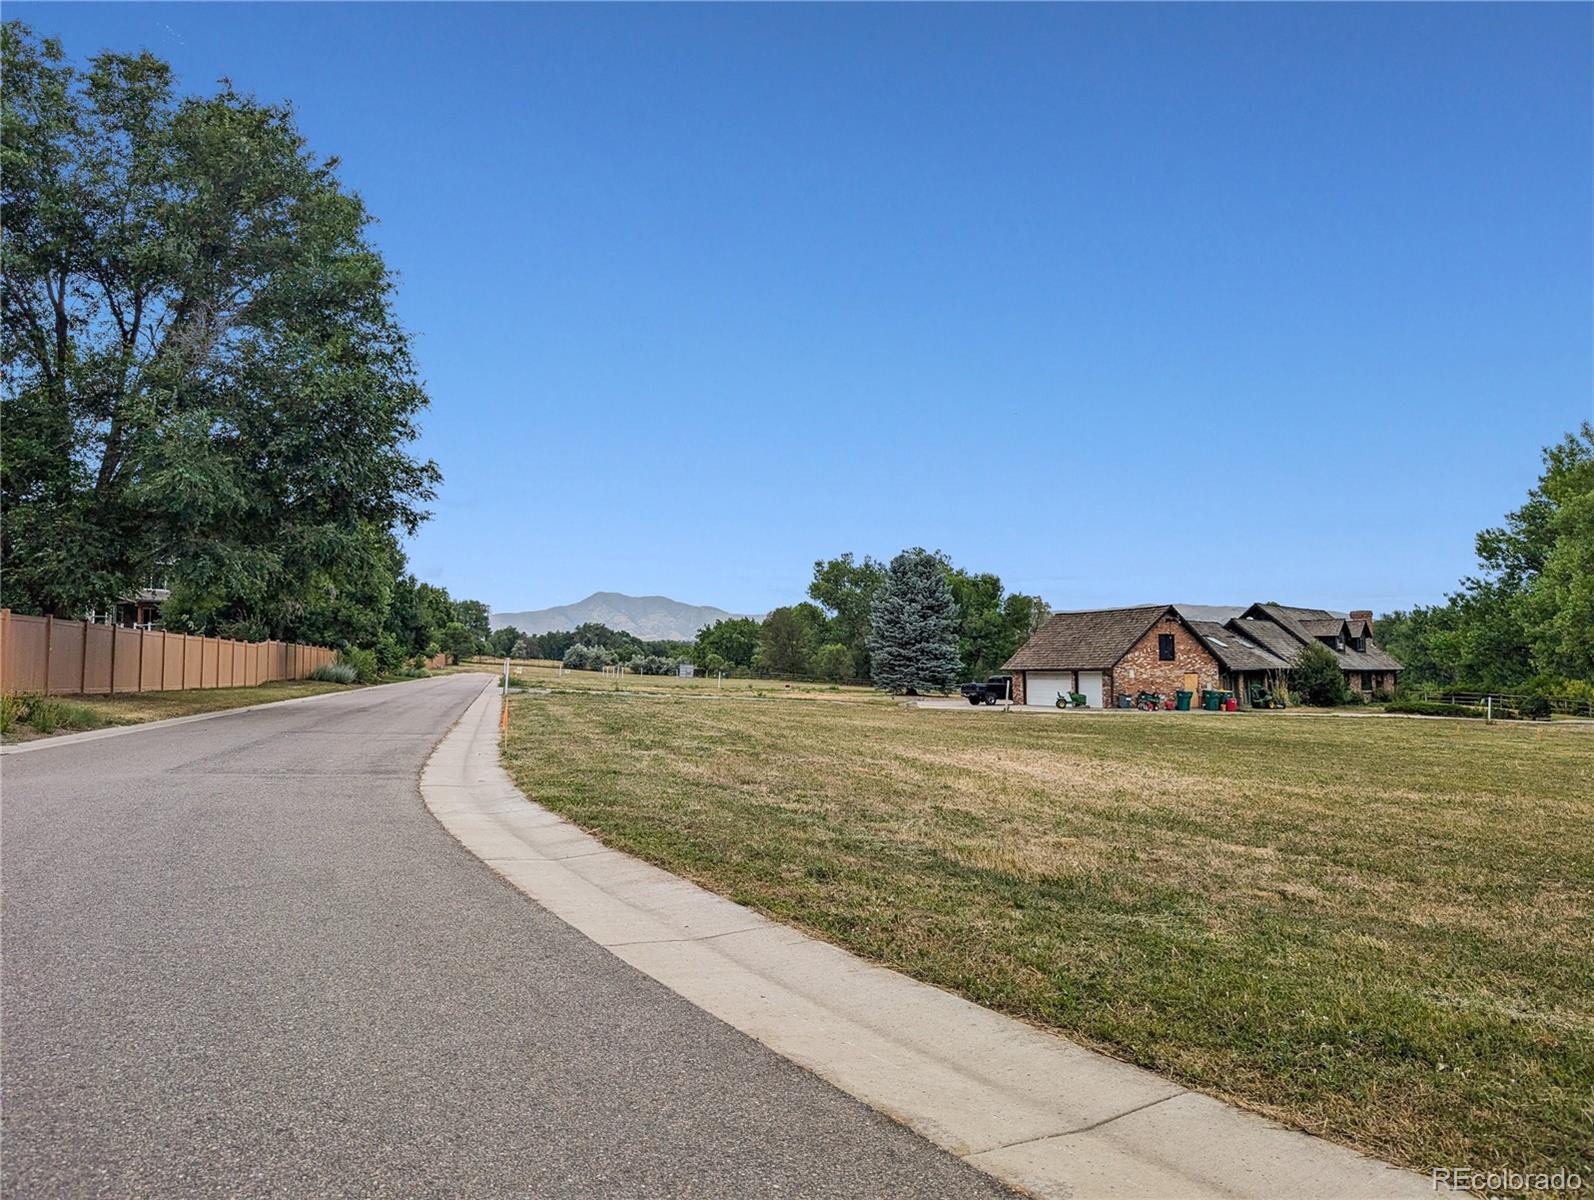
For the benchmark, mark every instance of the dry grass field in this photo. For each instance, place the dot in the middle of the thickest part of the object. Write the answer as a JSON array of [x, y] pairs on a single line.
[[1379, 930]]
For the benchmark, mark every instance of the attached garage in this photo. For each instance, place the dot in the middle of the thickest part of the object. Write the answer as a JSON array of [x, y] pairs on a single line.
[[1104, 652], [1043, 687], [1090, 683]]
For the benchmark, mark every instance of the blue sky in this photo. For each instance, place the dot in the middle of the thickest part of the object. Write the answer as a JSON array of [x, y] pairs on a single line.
[[1125, 303]]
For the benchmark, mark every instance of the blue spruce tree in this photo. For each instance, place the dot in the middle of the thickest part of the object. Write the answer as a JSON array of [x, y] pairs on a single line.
[[913, 643]]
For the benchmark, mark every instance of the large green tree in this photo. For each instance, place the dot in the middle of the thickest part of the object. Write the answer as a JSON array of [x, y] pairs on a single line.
[[204, 382], [845, 588], [727, 643], [913, 642], [1530, 609], [789, 639]]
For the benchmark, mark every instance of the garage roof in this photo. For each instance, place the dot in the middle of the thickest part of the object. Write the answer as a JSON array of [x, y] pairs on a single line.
[[1093, 640]]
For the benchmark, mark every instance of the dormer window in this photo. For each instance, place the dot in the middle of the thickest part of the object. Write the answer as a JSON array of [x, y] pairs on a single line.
[[1360, 644]]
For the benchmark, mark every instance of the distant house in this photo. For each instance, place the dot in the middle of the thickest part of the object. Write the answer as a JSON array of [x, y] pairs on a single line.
[[141, 610], [1107, 652]]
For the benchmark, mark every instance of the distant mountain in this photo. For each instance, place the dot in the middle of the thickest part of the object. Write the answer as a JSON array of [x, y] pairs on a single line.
[[651, 618]]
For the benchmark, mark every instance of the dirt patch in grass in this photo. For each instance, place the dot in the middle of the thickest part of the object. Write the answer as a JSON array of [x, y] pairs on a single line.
[[1381, 931]]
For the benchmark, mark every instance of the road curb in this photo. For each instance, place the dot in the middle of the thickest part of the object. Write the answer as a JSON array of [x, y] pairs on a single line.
[[94, 735], [1030, 1108]]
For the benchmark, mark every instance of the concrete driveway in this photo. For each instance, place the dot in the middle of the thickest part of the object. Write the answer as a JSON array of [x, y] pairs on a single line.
[[241, 959]]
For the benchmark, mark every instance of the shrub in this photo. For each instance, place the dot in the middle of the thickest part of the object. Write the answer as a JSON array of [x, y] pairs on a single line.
[[335, 672], [389, 655], [44, 714], [582, 657], [1432, 708], [1316, 676], [11, 712], [653, 664], [1382, 696], [363, 662], [1536, 707], [833, 662]]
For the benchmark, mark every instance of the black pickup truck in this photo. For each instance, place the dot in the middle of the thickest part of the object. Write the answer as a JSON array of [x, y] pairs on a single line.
[[995, 690]]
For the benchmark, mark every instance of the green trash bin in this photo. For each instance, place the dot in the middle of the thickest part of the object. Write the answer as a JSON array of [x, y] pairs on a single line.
[[1181, 701], [1210, 700]]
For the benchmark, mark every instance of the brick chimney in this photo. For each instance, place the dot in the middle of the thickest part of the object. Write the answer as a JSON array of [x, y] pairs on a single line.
[[1362, 614]]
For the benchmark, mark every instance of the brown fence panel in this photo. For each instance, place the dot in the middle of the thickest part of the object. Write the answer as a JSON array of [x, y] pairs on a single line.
[[152, 648], [66, 657], [22, 658], [95, 671], [45, 654], [127, 660], [174, 652]]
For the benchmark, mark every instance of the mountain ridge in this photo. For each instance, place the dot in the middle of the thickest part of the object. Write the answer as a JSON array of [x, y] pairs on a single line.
[[651, 618]]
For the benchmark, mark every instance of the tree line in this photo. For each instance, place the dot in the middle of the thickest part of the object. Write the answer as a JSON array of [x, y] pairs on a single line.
[[1525, 622], [205, 384], [919, 622], [859, 613]]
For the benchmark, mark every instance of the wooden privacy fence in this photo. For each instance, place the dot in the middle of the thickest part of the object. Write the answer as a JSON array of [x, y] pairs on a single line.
[[56, 657]]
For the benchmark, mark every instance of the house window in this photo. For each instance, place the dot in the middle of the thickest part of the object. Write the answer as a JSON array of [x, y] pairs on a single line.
[[1165, 647], [1367, 681], [1360, 644]]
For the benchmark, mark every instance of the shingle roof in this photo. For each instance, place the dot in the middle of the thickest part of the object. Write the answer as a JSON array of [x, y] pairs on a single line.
[[1235, 651], [1266, 637], [1210, 612], [1287, 630], [1085, 641], [1271, 637], [1324, 626]]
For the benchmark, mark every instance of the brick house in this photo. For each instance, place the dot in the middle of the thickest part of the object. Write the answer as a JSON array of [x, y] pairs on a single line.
[[1108, 652]]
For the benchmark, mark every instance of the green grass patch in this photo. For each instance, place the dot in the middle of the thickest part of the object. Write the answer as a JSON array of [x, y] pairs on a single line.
[[1378, 931], [32, 716]]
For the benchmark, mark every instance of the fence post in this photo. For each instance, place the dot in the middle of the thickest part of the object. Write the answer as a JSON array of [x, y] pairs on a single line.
[[5, 645], [140, 683], [83, 667], [111, 690], [49, 638]]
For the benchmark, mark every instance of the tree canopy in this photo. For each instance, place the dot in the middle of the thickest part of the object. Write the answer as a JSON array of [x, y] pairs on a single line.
[[1528, 615], [205, 382], [913, 641]]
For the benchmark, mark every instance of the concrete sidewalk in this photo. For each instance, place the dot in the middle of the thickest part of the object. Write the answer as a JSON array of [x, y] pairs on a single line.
[[1030, 1108]]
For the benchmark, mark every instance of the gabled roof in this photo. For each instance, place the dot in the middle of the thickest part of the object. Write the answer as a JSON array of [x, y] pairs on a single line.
[[1301, 625], [1210, 612], [1322, 627], [1093, 640], [1234, 650], [1271, 636]]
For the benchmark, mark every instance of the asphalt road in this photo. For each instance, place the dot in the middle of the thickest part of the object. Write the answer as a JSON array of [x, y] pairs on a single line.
[[240, 958]]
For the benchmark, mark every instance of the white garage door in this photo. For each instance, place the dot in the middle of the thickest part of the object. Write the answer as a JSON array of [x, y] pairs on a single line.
[[1043, 687], [1090, 684]]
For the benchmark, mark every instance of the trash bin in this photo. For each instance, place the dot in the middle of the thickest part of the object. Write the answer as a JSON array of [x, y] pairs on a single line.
[[1209, 700], [1182, 700], [1126, 701], [1231, 705]]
